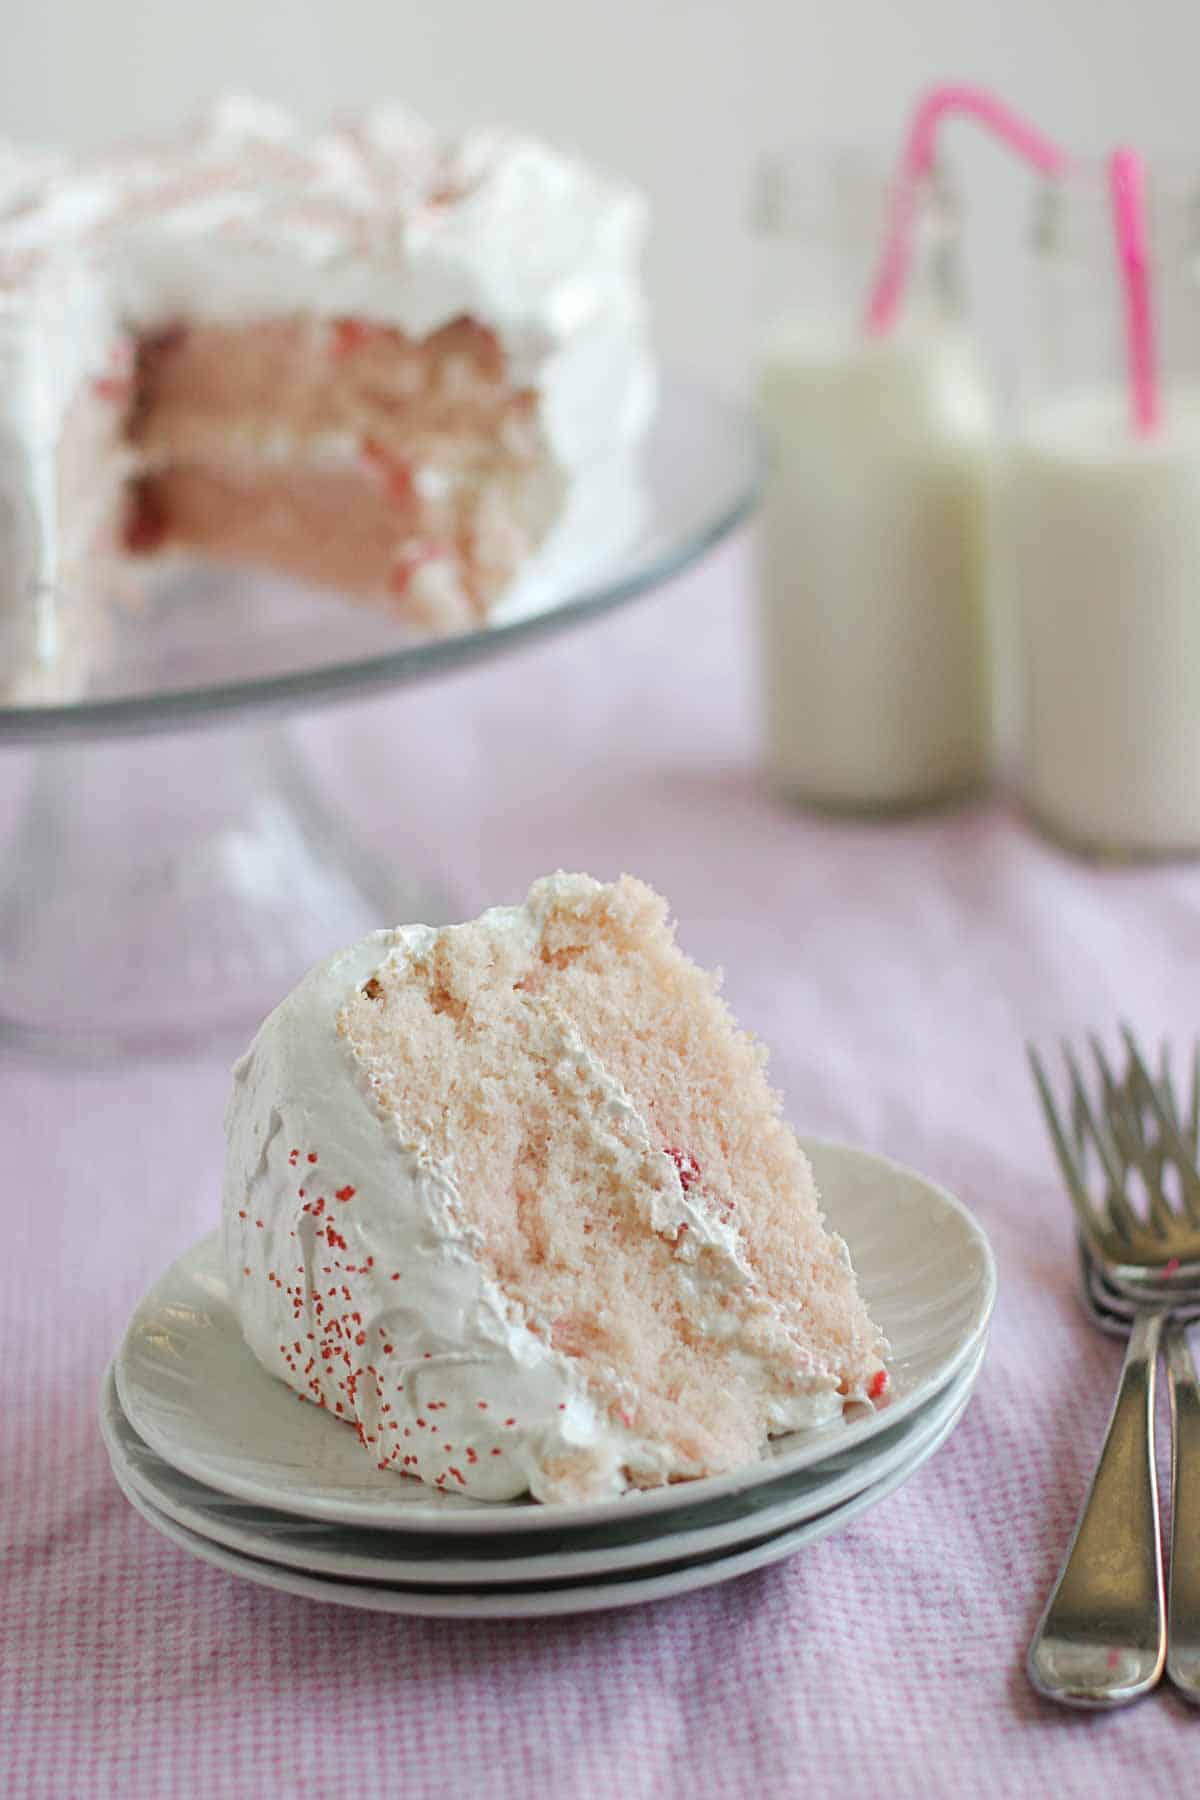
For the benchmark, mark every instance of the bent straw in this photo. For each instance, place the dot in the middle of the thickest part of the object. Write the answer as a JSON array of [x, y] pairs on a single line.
[[1126, 177], [916, 160]]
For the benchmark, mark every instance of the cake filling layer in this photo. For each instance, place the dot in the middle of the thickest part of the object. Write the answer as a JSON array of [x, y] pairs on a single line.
[[346, 454]]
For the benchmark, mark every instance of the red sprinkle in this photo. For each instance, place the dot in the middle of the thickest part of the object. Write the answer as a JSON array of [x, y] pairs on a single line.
[[878, 1383], [689, 1168], [117, 388], [116, 382], [346, 1193]]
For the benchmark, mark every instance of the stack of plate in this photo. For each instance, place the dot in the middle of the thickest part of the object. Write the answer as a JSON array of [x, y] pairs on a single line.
[[220, 1457]]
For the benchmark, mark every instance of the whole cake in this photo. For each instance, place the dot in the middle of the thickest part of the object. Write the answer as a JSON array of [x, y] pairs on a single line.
[[514, 1199], [387, 363]]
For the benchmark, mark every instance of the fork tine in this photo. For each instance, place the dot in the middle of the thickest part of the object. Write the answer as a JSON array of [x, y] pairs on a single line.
[[1180, 1138], [1132, 1089], [1119, 1210], [1165, 1083], [1116, 1109], [1147, 1104], [1171, 1142], [1071, 1171], [1165, 1086], [1120, 1143]]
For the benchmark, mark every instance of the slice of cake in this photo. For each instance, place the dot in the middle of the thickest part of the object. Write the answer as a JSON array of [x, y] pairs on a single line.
[[391, 364], [515, 1200]]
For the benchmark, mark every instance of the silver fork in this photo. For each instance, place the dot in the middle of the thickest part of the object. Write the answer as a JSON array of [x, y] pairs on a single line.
[[1102, 1640], [1113, 1313]]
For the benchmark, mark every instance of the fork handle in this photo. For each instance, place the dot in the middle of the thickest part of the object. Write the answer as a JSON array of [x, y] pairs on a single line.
[[1183, 1609], [1102, 1638]]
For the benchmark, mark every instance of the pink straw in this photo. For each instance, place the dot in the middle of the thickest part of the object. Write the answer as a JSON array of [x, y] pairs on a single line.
[[916, 160], [1126, 175]]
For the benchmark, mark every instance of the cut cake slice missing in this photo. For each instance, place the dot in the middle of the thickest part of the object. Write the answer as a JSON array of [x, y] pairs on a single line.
[[515, 1199], [390, 363]]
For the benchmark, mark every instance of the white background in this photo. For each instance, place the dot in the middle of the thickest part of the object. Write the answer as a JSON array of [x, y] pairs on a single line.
[[678, 94]]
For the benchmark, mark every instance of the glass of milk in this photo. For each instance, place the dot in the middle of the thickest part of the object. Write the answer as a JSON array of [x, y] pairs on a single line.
[[875, 643], [1098, 530]]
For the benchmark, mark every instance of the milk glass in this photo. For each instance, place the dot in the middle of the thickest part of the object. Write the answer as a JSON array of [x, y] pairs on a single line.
[[872, 573], [1098, 531]]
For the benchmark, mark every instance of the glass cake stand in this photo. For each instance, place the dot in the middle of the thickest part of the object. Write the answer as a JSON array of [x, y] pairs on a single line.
[[157, 896]]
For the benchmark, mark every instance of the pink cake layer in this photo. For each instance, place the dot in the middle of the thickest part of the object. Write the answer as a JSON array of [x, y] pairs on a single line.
[[469, 1041], [342, 452]]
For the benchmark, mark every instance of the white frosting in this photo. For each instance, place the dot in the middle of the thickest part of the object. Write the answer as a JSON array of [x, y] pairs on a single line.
[[243, 216], [427, 1349], [55, 333]]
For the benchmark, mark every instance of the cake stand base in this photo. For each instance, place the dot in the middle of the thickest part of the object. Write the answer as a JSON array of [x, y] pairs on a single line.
[[162, 894]]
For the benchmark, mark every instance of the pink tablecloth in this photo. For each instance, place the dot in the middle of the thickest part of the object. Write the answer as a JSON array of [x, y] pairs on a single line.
[[895, 970]]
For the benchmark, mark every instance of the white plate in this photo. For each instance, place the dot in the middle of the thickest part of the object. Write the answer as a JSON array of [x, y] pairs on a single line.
[[356, 1554], [539, 1600], [192, 1390]]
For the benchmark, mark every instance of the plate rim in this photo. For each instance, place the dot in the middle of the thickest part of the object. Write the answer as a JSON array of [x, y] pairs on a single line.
[[550, 1601], [509, 1516], [646, 1551]]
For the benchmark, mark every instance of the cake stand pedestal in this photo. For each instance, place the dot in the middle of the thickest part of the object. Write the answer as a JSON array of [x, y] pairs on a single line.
[[162, 895], [174, 871]]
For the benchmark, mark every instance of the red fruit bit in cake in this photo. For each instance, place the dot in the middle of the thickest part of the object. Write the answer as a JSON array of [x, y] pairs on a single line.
[[414, 557], [689, 1168], [397, 476], [879, 1382], [348, 335], [147, 524], [167, 338]]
